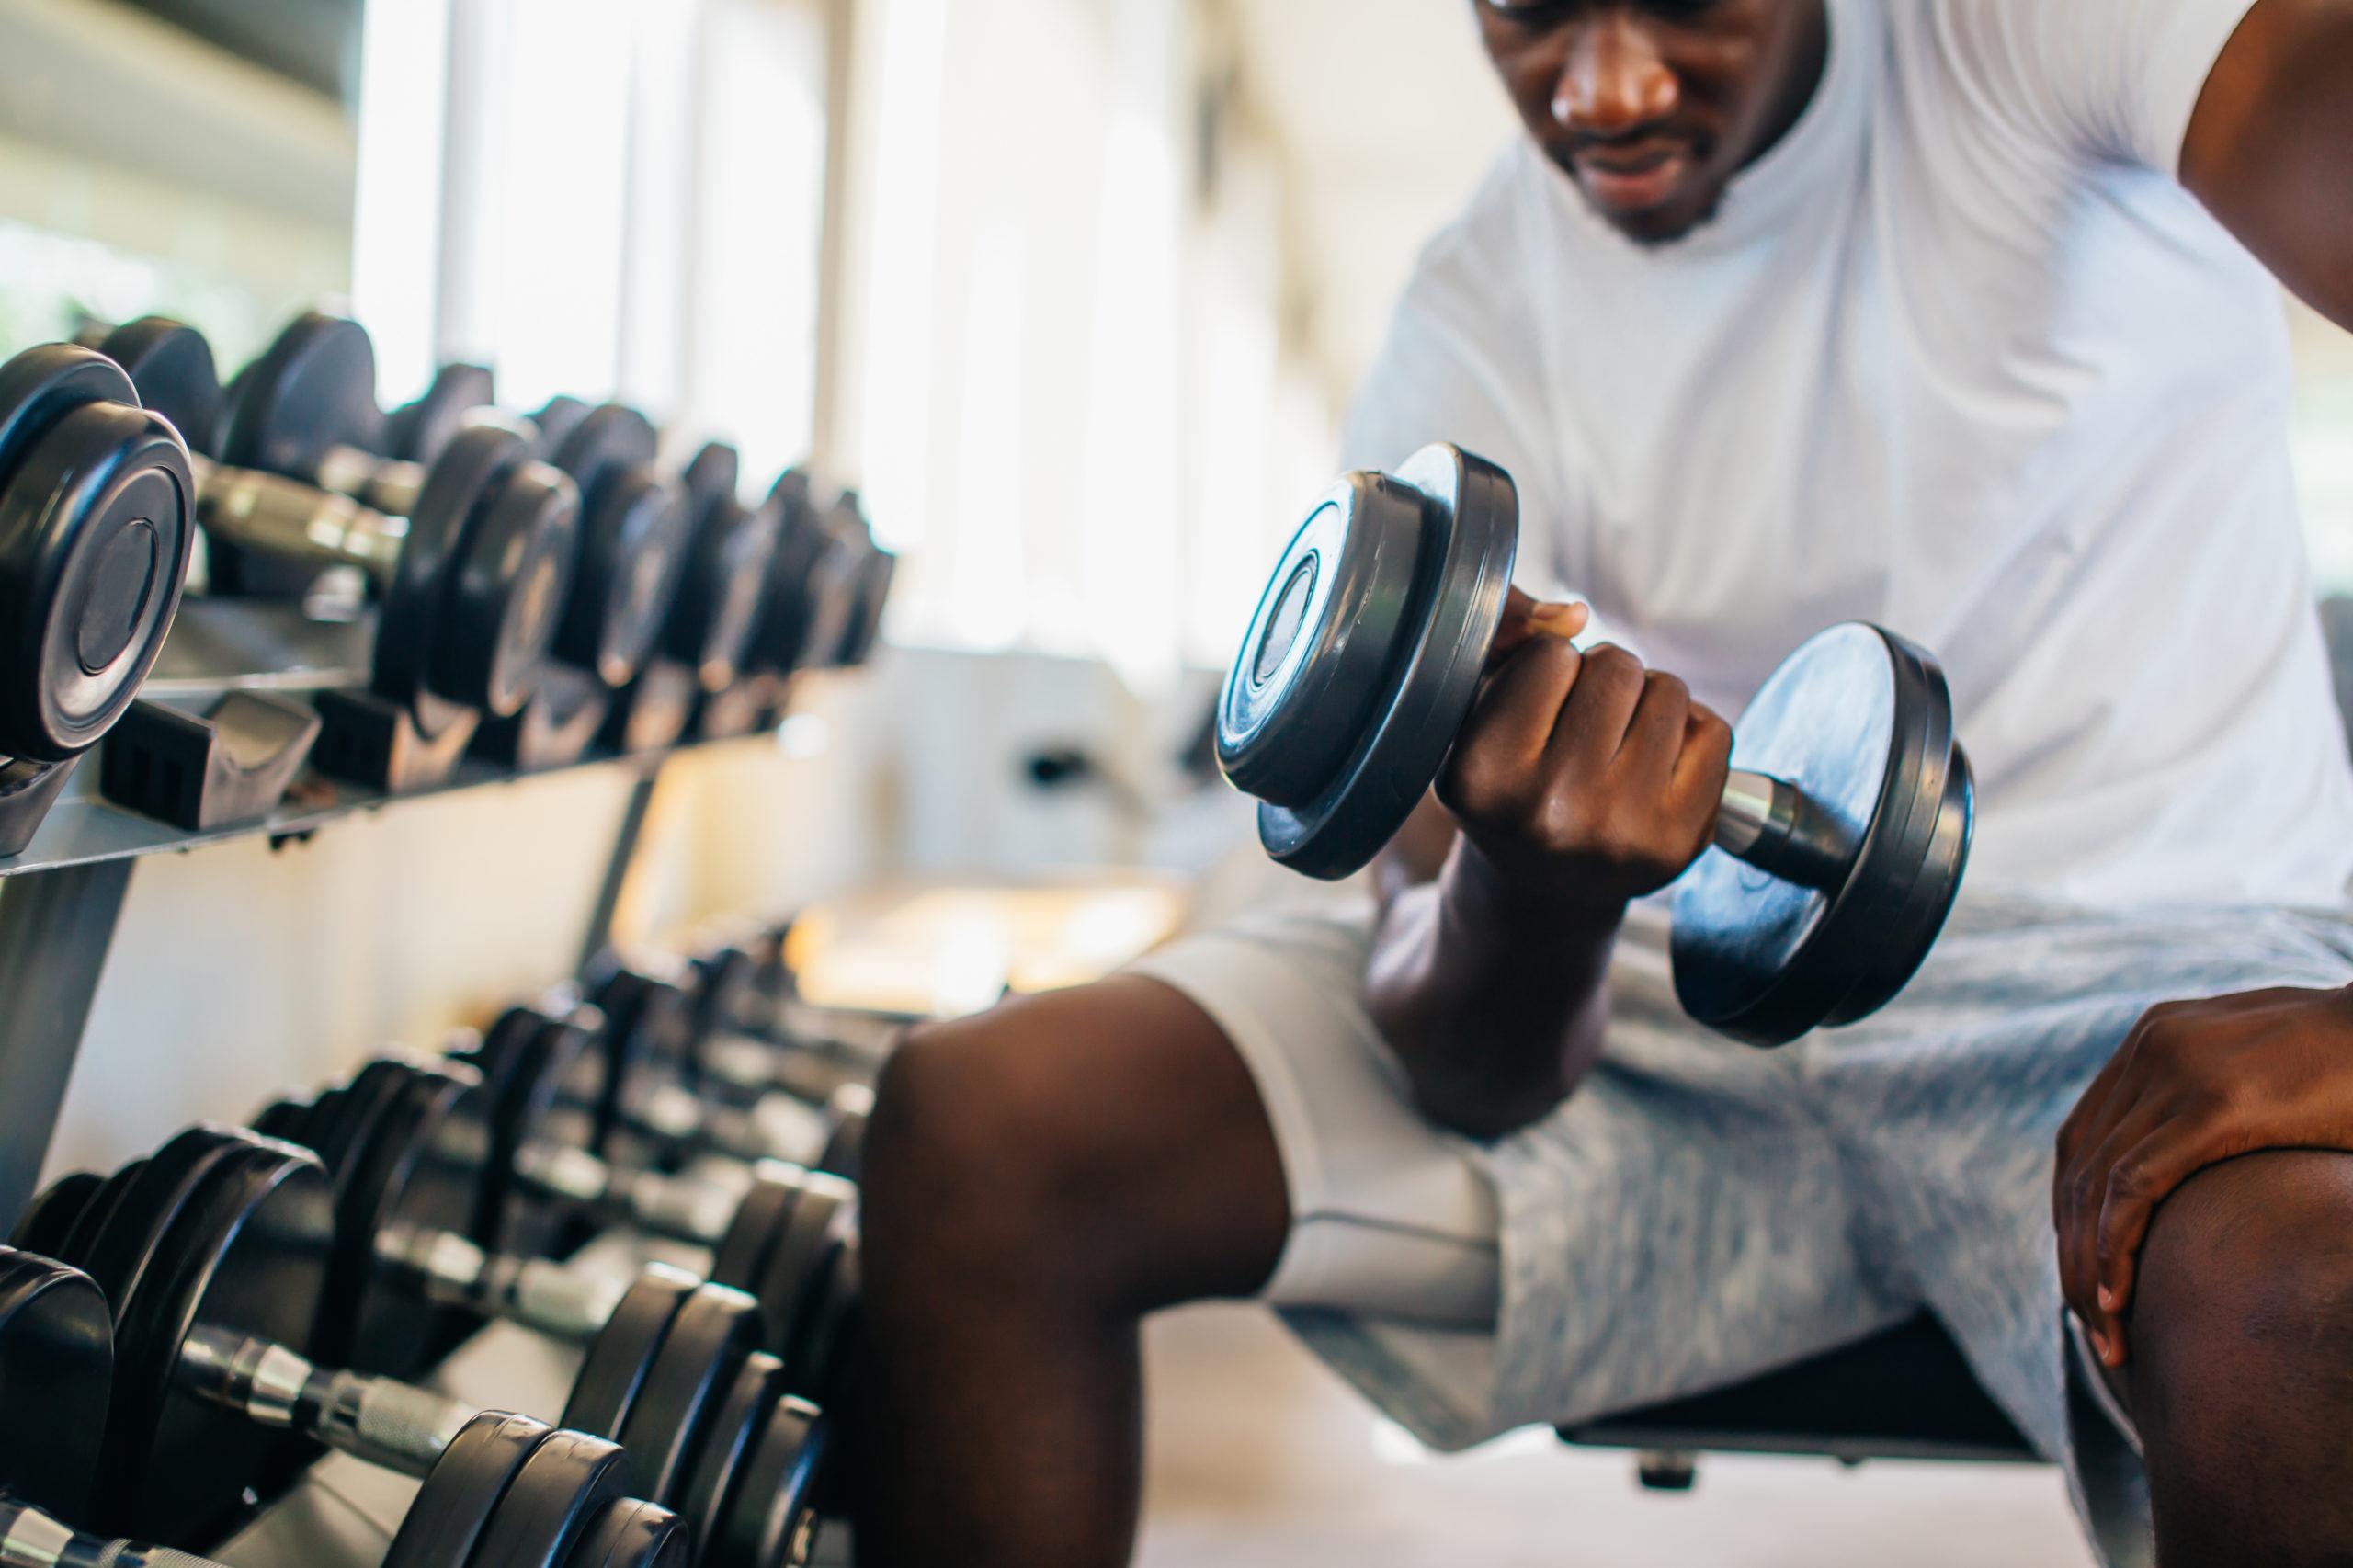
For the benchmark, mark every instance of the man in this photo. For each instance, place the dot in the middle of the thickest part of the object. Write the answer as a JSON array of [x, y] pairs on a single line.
[[1955, 316]]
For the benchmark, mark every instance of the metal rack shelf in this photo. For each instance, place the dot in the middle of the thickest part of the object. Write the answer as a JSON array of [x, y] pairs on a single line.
[[60, 899]]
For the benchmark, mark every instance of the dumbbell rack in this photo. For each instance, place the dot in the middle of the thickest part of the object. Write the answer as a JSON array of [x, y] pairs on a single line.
[[61, 899]]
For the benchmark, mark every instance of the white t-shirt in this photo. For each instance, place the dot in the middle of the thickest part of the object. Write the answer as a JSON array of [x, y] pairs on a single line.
[[1961, 357]]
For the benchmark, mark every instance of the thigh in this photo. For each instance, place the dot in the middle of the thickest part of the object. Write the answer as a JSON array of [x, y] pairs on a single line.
[[1951, 1104], [1387, 1214]]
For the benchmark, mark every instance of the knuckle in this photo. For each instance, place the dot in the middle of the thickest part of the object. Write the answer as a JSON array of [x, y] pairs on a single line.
[[1613, 664]]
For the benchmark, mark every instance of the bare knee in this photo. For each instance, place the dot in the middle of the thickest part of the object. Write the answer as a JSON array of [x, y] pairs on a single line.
[[1084, 1138], [2242, 1378]]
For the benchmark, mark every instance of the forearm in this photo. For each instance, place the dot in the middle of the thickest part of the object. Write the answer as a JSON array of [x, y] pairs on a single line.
[[1495, 1008]]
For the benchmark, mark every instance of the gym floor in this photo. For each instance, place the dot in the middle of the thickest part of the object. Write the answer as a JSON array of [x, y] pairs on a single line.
[[1263, 1458]]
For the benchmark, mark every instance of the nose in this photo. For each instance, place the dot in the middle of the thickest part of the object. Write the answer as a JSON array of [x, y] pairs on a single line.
[[1614, 81]]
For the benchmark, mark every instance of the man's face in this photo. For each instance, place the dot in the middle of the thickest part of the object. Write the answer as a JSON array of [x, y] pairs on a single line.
[[1652, 106]]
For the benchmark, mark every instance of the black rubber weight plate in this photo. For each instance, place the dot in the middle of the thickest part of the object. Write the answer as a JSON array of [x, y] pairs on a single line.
[[56, 1368], [735, 1429], [633, 1534], [715, 1334], [760, 1219], [506, 594], [820, 1365], [249, 1257], [1862, 723], [172, 366], [1470, 529], [455, 1505], [790, 1284], [398, 1186], [459, 484], [773, 1516], [562, 1489], [85, 1226], [50, 1219], [97, 496], [614, 1372], [313, 389]]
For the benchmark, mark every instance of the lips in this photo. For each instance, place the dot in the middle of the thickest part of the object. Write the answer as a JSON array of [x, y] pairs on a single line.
[[1632, 179]]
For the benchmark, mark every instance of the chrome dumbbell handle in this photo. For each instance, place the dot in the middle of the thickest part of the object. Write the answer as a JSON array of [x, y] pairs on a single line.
[[1771, 825], [674, 1208], [774, 1126], [287, 518], [31, 1538], [383, 484], [392, 1425], [535, 1292]]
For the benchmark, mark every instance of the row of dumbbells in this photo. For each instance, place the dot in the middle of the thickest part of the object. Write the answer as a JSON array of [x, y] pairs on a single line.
[[511, 559], [203, 1320]]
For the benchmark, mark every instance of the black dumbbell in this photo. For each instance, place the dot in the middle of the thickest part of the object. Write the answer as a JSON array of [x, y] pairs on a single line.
[[787, 1235], [634, 530], [1843, 831], [552, 1498], [215, 1256], [678, 1088], [471, 554], [730, 547], [825, 564], [416, 432], [705, 1083], [96, 527], [409, 1145]]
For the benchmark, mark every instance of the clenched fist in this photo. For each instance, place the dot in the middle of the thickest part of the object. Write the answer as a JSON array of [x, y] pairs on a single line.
[[1584, 780]]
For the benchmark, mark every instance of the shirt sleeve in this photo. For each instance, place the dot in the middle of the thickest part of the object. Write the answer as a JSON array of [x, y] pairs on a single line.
[[2113, 79]]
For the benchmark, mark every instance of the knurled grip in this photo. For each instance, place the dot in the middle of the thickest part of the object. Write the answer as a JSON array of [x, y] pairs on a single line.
[[393, 1425], [551, 1298]]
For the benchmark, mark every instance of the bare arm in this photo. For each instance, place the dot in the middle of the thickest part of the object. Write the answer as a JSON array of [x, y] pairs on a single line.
[[1490, 965], [2271, 147]]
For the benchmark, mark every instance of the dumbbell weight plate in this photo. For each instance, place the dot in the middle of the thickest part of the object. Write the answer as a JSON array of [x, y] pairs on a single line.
[[735, 1431], [171, 364], [410, 1175], [726, 564], [613, 1375], [313, 389], [471, 472], [1862, 722], [713, 475], [247, 1256], [743, 1255], [51, 1217], [880, 569], [787, 601], [633, 535], [455, 1506], [633, 1534], [56, 1370], [513, 571], [771, 1515], [1366, 654], [416, 432], [118, 1249], [96, 509], [716, 1331], [818, 1365], [555, 419], [541, 1085], [790, 1284], [554, 1500]]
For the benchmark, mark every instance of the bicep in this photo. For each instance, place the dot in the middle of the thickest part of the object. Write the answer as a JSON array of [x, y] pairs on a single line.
[[2269, 149]]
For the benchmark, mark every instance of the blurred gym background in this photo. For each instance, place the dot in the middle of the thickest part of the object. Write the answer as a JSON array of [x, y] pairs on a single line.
[[1076, 292]]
